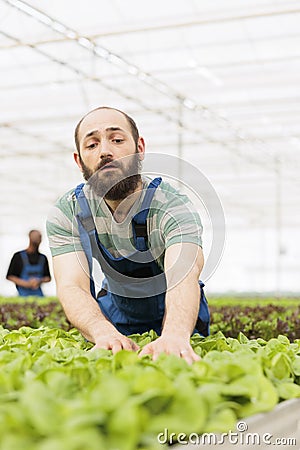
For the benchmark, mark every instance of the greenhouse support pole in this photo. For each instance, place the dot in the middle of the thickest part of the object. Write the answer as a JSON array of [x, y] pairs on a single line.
[[278, 224], [179, 142]]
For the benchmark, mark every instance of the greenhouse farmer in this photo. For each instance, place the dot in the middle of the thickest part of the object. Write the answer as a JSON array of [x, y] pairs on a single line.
[[29, 268], [145, 236]]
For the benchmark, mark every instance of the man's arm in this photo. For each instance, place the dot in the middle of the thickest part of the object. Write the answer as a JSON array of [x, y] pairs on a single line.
[[36, 282], [73, 289], [45, 280], [183, 265], [29, 284], [14, 272]]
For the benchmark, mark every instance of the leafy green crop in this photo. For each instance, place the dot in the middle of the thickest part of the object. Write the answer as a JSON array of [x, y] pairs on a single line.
[[265, 320], [16, 312], [257, 317], [55, 394]]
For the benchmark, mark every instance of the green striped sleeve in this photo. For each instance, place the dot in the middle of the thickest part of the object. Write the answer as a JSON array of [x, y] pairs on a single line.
[[62, 227]]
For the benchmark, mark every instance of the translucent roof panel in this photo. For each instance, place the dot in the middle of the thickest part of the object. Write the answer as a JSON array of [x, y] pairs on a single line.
[[215, 84]]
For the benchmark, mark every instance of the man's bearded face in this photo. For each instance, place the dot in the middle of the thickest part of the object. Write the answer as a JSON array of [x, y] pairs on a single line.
[[114, 179]]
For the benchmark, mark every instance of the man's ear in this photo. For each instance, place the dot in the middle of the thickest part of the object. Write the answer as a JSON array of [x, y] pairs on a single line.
[[77, 160], [141, 148]]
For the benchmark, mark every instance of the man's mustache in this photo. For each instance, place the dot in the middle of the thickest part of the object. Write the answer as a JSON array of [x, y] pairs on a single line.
[[110, 161]]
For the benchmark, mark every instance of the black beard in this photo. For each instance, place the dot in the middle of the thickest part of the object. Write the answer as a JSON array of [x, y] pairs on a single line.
[[124, 188], [112, 187]]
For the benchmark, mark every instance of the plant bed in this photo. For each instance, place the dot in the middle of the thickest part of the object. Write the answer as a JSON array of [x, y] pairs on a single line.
[[257, 318], [16, 312], [279, 428], [55, 394]]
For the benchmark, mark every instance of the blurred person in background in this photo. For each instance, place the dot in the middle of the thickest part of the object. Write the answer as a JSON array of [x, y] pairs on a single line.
[[29, 268], [145, 235]]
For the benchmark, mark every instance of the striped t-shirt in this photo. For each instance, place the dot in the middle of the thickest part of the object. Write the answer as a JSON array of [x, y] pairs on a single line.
[[171, 219]]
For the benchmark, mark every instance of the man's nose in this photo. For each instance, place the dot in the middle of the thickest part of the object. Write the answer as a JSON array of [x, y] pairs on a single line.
[[105, 148]]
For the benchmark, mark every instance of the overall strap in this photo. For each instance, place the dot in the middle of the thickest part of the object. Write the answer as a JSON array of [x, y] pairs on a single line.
[[139, 221], [26, 261], [87, 230], [24, 257], [41, 261]]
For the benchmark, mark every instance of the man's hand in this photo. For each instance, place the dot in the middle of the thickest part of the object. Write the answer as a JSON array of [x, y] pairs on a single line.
[[34, 283], [171, 345], [111, 339]]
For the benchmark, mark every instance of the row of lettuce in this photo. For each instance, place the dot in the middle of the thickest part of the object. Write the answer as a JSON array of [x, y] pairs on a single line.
[[257, 318], [56, 394]]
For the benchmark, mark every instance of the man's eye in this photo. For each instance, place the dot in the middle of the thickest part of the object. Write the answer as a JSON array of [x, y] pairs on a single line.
[[118, 141], [91, 146]]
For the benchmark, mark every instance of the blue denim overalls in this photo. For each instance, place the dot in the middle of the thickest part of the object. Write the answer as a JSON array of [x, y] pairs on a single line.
[[127, 279], [31, 271]]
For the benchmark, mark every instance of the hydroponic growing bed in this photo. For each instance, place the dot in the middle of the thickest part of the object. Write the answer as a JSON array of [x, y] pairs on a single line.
[[256, 317], [277, 429], [55, 394]]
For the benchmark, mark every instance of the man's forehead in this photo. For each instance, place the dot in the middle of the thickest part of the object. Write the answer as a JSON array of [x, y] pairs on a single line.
[[103, 119], [36, 234]]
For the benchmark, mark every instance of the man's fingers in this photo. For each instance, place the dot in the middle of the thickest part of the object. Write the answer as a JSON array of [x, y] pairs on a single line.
[[156, 348], [189, 356], [116, 347], [190, 361], [128, 344], [150, 350], [134, 346], [196, 357], [147, 350], [116, 344], [95, 348]]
